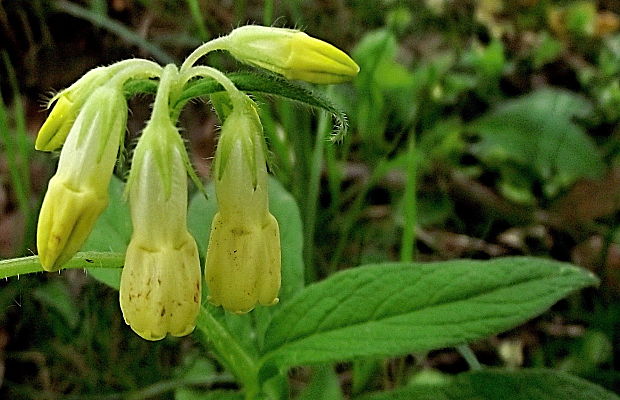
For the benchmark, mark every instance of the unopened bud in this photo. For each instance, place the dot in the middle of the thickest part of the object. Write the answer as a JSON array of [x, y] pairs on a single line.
[[291, 53]]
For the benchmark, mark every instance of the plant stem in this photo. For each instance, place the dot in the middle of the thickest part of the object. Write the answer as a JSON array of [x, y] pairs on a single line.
[[410, 206], [240, 8], [354, 212], [212, 45], [469, 356], [194, 9], [268, 12], [334, 178], [133, 69], [230, 352], [236, 96], [312, 199], [86, 259], [161, 107]]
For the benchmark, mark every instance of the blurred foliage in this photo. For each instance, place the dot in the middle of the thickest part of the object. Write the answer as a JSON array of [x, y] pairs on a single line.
[[505, 113]]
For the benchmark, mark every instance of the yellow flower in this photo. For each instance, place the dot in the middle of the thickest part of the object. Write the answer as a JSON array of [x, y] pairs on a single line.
[[243, 264], [78, 192], [160, 288], [291, 53], [56, 127], [161, 281], [243, 257]]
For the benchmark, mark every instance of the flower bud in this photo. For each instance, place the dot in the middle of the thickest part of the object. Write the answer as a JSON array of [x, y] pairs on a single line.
[[68, 103], [161, 281], [291, 53], [243, 257], [78, 192]]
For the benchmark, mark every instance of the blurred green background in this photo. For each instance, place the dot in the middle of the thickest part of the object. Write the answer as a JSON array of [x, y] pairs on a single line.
[[477, 129]]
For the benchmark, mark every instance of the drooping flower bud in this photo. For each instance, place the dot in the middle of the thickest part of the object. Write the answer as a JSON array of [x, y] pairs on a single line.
[[291, 53], [161, 281], [68, 103], [243, 257], [78, 192]]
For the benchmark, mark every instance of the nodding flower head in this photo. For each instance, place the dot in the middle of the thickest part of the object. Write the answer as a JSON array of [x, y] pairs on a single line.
[[291, 53], [78, 192], [243, 257], [160, 288]]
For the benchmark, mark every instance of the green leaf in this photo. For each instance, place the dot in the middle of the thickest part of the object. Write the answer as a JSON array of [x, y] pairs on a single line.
[[537, 133], [391, 309], [493, 385], [253, 83], [111, 233], [265, 84]]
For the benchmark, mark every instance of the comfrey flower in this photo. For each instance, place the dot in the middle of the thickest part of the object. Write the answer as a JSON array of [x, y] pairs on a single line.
[[78, 192], [160, 288], [243, 258], [291, 53]]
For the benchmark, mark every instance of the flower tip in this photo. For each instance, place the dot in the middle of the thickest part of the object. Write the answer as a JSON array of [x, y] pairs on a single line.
[[332, 64], [52, 259], [148, 334], [313, 60], [47, 262], [56, 127]]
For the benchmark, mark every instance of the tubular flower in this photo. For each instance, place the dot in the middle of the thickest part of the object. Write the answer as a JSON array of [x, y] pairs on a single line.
[[243, 257], [161, 281], [78, 192], [68, 103], [291, 53]]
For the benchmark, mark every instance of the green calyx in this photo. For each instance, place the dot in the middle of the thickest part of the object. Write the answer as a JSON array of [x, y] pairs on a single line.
[[242, 129]]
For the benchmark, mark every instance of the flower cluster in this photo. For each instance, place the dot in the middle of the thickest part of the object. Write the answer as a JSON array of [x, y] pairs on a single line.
[[160, 288]]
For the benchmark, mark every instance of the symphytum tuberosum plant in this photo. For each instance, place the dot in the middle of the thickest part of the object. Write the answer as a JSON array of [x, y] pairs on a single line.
[[254, 247]]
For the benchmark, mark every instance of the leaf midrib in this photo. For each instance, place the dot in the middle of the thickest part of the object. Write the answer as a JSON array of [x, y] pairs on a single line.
[[515, 284]]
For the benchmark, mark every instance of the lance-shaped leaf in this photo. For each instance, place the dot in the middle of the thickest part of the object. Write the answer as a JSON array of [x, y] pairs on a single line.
[[390, 309]]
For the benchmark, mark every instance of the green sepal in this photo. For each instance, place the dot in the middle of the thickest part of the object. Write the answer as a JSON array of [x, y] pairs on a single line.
[[192, 172], [221, 104]]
